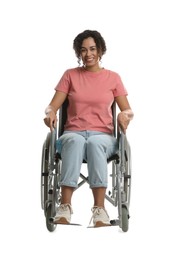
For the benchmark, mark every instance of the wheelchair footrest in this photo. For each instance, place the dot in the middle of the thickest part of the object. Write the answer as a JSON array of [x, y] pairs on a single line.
[[51, 220], [71, 224]]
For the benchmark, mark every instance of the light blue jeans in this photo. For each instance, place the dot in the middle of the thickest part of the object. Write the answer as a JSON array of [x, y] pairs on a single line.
[[93, 147]]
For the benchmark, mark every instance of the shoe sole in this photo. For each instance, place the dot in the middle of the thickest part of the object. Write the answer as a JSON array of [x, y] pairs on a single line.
[[101, 224], [61, 221]]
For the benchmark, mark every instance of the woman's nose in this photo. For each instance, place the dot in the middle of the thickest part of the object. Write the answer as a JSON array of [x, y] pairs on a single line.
[[88, 52]]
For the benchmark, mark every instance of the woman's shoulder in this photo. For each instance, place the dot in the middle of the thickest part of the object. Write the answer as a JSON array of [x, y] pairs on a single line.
[[73, 70], [112, 73]]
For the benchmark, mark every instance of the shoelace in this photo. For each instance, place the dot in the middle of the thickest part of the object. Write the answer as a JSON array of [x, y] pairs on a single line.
[[96, 210], [65, 206]]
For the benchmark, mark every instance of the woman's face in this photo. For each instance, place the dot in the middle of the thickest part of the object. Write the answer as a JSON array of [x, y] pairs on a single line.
[[89, 53]]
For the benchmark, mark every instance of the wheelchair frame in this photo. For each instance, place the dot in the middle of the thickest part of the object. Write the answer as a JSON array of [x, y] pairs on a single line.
[[119, 196]]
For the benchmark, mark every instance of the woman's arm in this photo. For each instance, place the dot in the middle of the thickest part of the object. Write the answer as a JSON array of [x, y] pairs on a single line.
[[58, 99], [126, 113]]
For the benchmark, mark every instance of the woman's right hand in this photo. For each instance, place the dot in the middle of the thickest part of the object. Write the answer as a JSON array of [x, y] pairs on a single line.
[[51, 119]]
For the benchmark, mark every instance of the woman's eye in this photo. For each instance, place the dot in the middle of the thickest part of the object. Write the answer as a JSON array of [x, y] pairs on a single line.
[[93, 49], [83, 50]]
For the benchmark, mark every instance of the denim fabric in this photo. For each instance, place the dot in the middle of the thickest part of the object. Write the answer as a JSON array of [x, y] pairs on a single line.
[[93, 147]]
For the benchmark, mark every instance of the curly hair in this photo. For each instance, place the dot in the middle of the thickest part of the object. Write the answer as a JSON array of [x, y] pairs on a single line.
[[99, 40]]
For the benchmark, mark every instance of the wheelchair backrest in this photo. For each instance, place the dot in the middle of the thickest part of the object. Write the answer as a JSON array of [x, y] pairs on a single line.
[[63, 117]]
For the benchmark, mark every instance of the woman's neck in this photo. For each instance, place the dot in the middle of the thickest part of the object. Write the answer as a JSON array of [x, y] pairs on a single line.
[[93, 68]]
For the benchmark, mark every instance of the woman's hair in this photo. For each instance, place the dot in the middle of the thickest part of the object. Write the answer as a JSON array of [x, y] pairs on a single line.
[[100, 43]]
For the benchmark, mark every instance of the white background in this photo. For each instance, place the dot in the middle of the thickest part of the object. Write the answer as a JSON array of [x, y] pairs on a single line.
[[143, 42]]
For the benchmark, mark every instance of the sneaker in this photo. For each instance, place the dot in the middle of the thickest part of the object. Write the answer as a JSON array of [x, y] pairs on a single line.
[[100, 217], [63, 214]]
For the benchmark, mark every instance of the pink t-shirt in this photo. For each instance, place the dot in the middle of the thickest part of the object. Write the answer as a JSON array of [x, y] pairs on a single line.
[[90, 95]]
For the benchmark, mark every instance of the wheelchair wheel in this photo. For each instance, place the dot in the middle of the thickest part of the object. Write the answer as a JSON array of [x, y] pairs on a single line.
[[127, 179], [125, 219], [123, 213], [49, 180], [44, 173], [49, 213], [124, 184]]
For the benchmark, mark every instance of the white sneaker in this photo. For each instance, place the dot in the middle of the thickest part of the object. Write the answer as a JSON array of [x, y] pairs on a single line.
[[63, 214], [100, 217]]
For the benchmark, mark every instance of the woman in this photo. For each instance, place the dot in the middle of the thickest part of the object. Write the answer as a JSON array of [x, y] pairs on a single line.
[[91, 91]]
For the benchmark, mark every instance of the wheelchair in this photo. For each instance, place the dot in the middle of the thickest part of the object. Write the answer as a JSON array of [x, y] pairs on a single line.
[[120, 177]]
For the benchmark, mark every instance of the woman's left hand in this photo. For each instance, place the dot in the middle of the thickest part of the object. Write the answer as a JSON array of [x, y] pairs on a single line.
[[124, 118]]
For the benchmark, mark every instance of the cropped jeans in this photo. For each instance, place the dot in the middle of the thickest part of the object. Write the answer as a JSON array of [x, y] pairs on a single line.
[[93, 147]]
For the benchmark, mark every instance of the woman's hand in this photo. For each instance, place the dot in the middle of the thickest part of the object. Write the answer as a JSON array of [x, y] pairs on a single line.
[[51, 119], [124, 117]]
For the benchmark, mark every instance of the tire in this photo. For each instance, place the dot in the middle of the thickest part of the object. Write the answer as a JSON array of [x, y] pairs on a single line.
[[127, 181], [55, 191], [125, 219], [123, 213], [49, 214], [44, 173]]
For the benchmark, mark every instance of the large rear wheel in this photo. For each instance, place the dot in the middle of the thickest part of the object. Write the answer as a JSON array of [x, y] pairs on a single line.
[[44, 172]]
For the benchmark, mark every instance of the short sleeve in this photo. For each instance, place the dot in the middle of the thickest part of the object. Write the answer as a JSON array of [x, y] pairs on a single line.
[[119, 89], [64, 83]]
